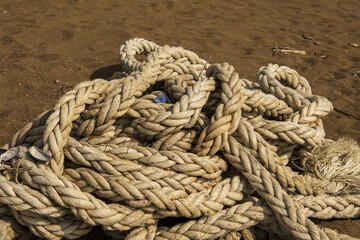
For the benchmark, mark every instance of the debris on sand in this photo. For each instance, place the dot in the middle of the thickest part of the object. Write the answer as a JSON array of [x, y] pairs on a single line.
[[287, 50], [354, 45]]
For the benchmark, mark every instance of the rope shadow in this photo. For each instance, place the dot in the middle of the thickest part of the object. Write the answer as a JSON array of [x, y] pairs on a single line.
[[108, 72]]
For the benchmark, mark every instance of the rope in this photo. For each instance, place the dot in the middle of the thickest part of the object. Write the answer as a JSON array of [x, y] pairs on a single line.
[[175, 136]]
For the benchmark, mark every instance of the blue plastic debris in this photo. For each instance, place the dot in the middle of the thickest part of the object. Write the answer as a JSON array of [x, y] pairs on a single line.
[[160, 99]]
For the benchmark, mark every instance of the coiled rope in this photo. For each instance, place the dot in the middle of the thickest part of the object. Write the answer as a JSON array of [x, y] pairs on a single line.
[[218, 150]]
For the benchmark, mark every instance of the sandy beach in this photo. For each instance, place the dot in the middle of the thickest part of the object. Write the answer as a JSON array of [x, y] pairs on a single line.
[[47, 47]]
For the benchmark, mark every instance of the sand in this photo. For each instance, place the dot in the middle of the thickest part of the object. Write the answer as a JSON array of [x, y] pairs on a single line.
[[47, 47]]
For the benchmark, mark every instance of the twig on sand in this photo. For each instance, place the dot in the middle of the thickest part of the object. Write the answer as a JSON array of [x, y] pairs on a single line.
[[354, 45], [307, 37], [286, 50], [355, 74]]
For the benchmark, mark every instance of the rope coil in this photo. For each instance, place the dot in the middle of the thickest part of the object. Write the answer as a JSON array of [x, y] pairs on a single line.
[[218, 152]]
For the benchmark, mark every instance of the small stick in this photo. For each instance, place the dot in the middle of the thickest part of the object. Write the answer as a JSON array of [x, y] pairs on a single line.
[[287, 50]]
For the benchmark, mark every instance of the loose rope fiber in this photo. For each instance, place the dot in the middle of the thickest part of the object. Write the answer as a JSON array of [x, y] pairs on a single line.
[[175, 136]]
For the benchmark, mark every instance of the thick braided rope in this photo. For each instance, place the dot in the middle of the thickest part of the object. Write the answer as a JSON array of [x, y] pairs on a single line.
[[113, 140], [6, 232], [227, 114], [28, 206], [287, 211], [295, 94], [255, 103], [269, 215], [87, 208], [114, 105], [236, 218], [295, 222], [167, 203]]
